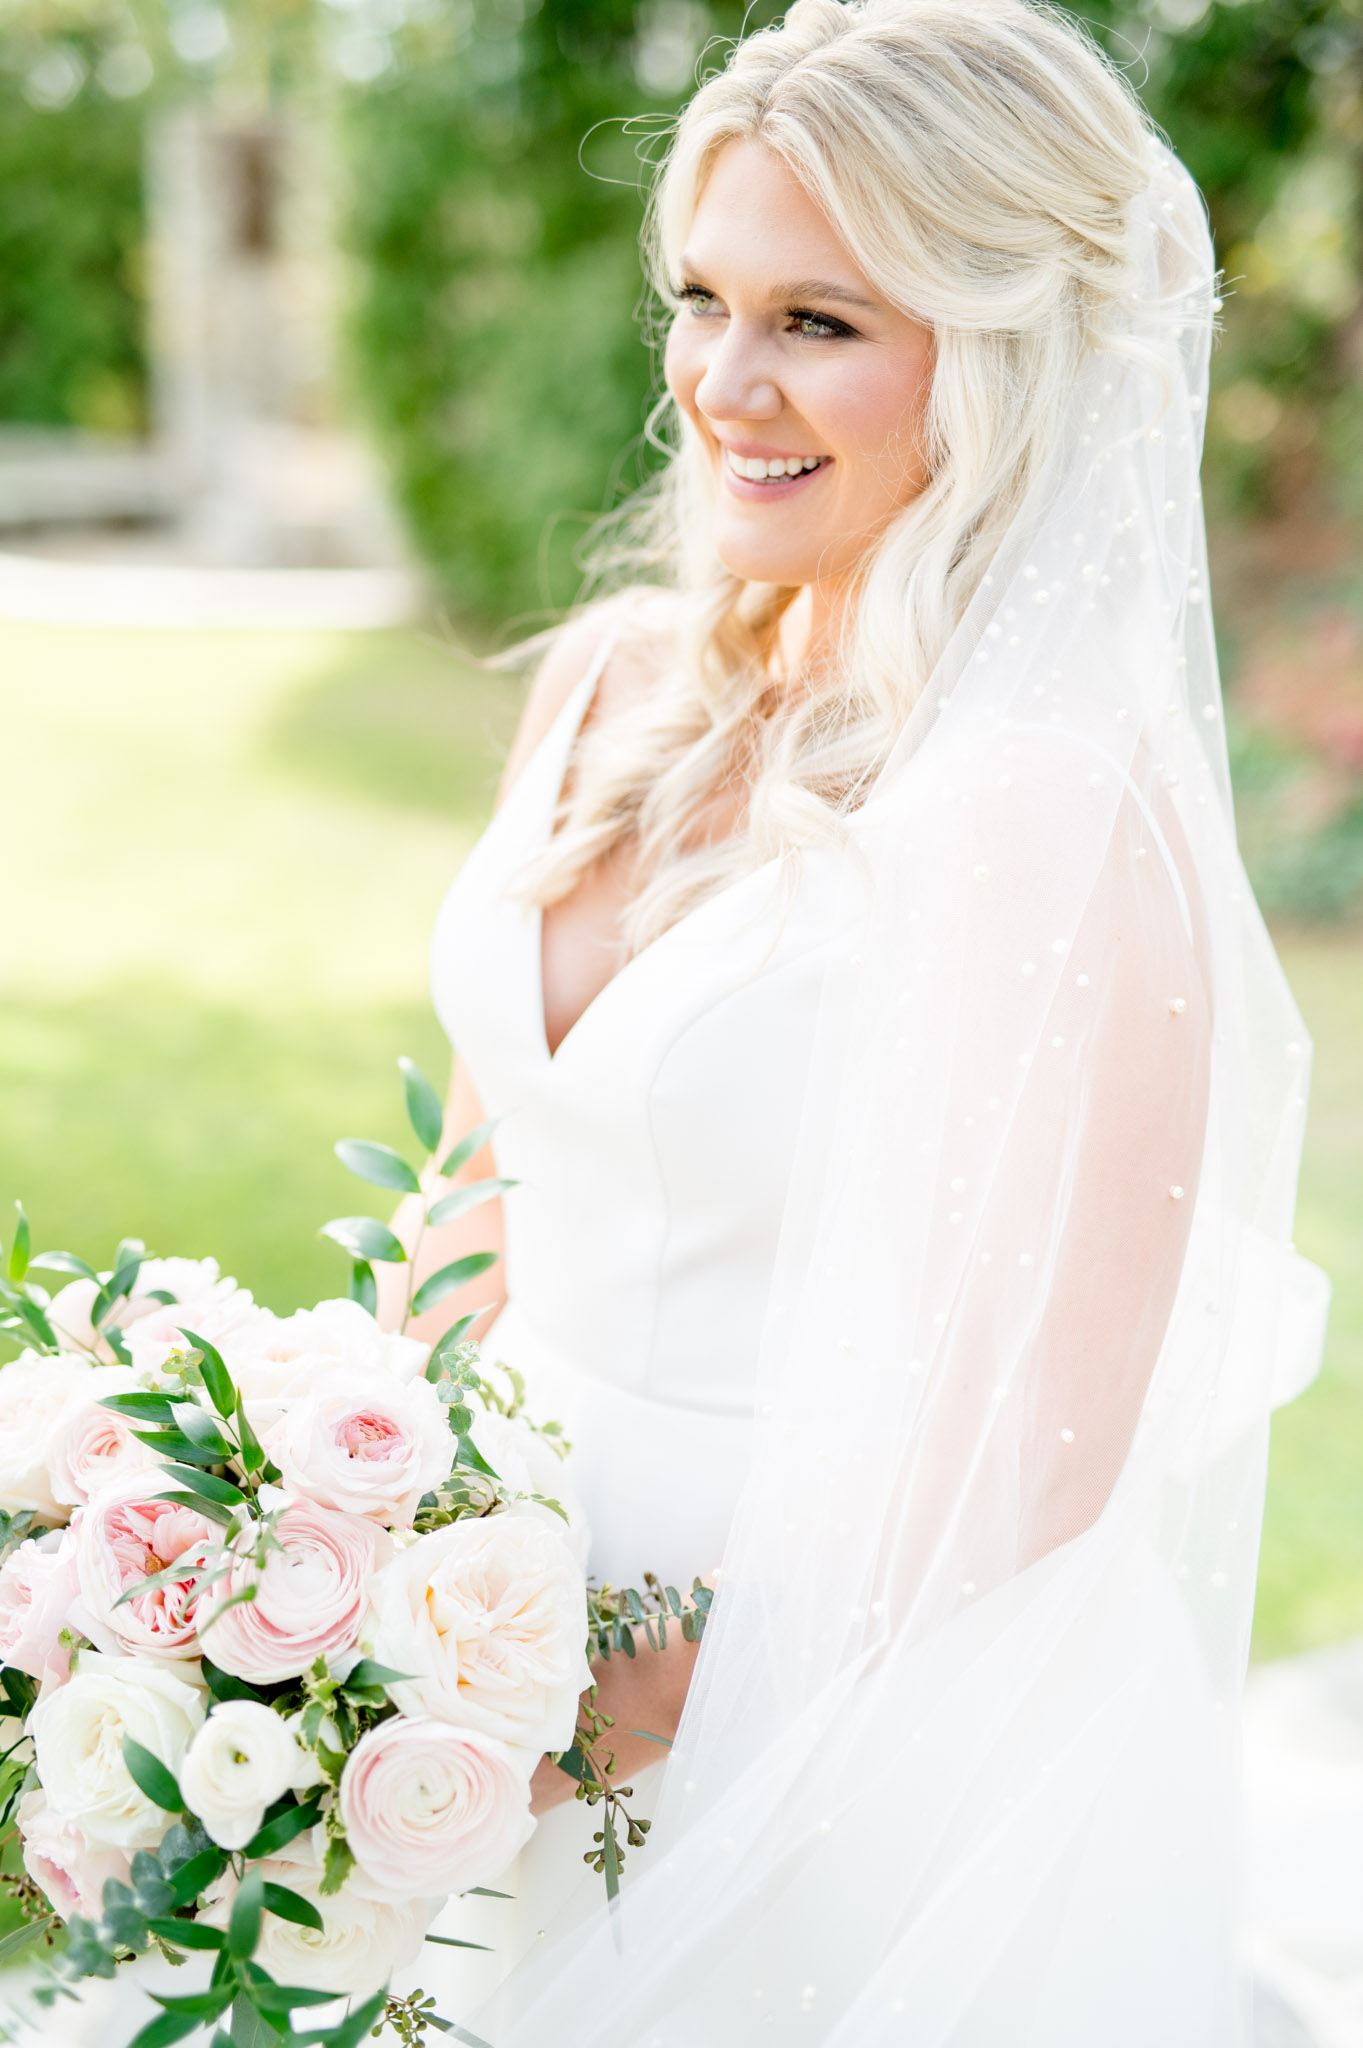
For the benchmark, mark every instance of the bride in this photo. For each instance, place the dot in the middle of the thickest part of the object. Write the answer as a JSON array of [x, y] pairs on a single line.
[[900, 1097]]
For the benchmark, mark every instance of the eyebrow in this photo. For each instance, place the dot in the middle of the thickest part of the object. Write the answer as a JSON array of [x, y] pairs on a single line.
[[804, 288]]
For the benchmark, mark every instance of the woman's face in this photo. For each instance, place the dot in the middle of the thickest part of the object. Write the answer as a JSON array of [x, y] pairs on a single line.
[[787, 360]]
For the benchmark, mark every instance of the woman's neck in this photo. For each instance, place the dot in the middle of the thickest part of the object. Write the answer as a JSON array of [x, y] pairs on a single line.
[[808, 625]]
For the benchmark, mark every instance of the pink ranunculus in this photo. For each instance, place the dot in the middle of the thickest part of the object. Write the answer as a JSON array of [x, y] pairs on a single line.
[[92, 1447], [70, 1870], [126, 1536], [365, 1444], [37, 1587], [432, 1809], [216, 1309], [310, 1598]]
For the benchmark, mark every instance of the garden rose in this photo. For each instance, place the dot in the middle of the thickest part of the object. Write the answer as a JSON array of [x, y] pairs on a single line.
[[125, 1536], [92, 1446], [37, 1586], [488, 1617], [365, 1444], [433, 1808], [310, 1597], [242, 1759], [70, 1869], [78, 1736], [276, 1359], [363, 1939], [36, 1394], [527, 1463]]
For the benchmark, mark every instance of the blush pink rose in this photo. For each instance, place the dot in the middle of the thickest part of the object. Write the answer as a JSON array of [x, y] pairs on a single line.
[[37, 1586], [92, 1447], [126, 1536], [366, 1444], [310, 1598], [433, 1809], [70, 1870]]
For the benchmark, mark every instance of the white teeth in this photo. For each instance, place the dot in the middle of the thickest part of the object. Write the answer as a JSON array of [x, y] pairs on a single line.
[[759, 470]]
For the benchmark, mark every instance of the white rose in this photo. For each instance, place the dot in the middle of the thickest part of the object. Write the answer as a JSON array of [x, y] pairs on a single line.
[[78, 1736], [277, 1359], [432, 1808], [363, 1939], [36, 1395], [527, 1463], [242, 1760], [365, 1444], [488, 1616], [92, 1446]]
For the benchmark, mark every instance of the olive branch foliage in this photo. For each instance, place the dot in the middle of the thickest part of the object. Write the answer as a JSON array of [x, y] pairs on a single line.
[[214, 1463]]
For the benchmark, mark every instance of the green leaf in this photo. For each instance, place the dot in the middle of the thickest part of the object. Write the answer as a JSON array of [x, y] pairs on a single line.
[[35, 1321], [151, 1776], [211, 1510], [481, 1891], [644, 1736], [23, 1937], [351, 2030], [286, 1904], [478, 1191], [283, 1828], [448, 1941], [224, 1685], [119, 1284], [187, 1933], [424, 1112], [62, 1262], [610, 1852], [19, 1250], [153, 1892], [470, 1455], [216, 1378], [185, 1839], [198, 1425], [206, 1486], [200, 2005], [251, 1450], [148, 1408], [337, 1866], [121, 1925], [468, 1147], [380, 1165], [169, 1443], [450, 1278], [364, 1237], [367, 1675], [243, 1924], [167, 2027], [573, 1763], [364, 1288], [196, 1875], [278, 2000], [448, 1343], [459, 2033], [250, 2028]]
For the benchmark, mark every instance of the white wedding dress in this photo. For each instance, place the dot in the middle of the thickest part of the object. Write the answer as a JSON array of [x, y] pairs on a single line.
[[653, 1151]]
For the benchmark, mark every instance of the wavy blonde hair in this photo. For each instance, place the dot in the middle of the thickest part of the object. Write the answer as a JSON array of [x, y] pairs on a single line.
[[977, 158]]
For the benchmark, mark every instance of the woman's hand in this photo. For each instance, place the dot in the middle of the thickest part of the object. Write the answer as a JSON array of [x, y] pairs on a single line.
[[646, 1691]]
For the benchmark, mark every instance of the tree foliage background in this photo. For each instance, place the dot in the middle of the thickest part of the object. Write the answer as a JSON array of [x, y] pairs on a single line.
[[492, 191]]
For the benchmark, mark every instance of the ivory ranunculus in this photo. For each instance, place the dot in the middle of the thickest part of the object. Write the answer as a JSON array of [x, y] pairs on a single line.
[[528, 1464], [37, 1587], [363, 1939], [488, 1616], [432, 1808], [125, 1536], [36, 1394], [242, 1759], [310, 1598], [78, 1736], [63, 1863], [366, 1444], [276, 1360], [91, 1446]]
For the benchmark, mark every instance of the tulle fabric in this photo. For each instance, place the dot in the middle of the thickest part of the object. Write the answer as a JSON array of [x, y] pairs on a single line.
[[958, 1764]]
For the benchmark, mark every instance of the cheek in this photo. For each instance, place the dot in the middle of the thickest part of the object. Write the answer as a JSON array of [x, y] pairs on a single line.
[[682, 370]]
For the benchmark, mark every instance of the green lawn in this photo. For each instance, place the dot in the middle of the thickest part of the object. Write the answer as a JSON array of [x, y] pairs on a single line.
[[221, 857]]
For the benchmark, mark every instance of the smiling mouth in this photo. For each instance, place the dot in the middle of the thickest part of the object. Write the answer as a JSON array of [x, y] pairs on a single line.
[[756, 469]]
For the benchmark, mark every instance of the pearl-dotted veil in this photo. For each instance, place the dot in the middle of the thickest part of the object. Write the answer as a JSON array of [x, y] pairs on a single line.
[[958, 1765]]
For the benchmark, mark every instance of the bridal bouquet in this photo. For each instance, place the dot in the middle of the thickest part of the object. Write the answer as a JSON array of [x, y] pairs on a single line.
[[290, 1609]]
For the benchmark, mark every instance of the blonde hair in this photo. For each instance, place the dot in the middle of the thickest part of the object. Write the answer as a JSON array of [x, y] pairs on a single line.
[[977, 158]]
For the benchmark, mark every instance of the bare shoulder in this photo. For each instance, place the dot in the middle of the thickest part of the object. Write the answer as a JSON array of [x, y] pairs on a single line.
[[640, 630]]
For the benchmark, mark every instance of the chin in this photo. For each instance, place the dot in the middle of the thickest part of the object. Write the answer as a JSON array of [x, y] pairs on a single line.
[[758, 560]]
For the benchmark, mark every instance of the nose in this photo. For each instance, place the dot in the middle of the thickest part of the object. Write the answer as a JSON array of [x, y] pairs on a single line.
[[737, 383]]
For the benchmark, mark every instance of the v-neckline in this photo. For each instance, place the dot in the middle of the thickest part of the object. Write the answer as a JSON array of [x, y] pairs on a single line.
[[574, 716]]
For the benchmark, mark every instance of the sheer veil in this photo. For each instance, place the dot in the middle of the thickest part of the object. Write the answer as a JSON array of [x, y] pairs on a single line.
[[958, 1765]]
